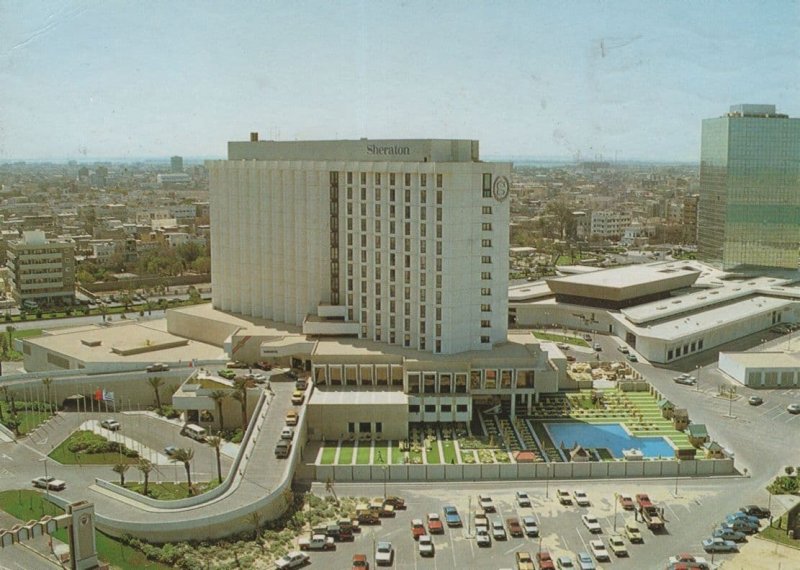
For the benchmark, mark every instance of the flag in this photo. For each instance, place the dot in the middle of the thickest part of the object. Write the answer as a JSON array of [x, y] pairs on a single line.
[[98, 394], [108, 396]]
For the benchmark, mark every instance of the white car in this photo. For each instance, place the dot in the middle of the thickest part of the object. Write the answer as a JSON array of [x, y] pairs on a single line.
[[590, 521], [287, 433], [793, 408], [50, 483], [486, 503], [384, 554], [523, 500], [425, 545], [530, 526], [498, 530], [293, 559], [482, 536], [110, 424], [599, 550], [581, 498]]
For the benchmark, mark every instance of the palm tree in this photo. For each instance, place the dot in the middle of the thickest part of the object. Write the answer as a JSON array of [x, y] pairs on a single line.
[[121, 468], [156, 382], [184, 456], [216, 442], [145, 466], [241, 385], [103, 311], [218, 396], [47, 382], [10, 332]]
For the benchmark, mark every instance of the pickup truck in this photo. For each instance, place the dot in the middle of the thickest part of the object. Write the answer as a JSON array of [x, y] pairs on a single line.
[[317, 542]]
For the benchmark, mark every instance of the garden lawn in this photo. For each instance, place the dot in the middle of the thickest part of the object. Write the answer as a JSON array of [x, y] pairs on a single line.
[[432, 454], [328, 455], [363, 454], [397, 455], [560, 338], [27, 505], [28, 421], [778, 533], [170, 491], [449, 449], [381, 455], [346, 453], [63, 455]]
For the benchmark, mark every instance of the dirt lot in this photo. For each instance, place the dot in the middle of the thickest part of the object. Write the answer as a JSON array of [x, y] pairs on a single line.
[[759, 553]]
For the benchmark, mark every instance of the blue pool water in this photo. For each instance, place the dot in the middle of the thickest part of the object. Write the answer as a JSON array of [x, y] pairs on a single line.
[[612, 436]]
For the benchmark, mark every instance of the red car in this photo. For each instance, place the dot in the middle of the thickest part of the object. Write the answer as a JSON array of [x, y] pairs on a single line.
[[626, 502], [435, 525], [417, 528], [514, 528], [544, 561], [360, 562]]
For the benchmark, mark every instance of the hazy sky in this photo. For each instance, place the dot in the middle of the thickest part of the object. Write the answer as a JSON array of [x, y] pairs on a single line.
[[535, 78]]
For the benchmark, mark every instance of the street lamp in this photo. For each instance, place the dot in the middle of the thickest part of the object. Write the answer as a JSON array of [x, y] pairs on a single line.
[[46, 482], [385, 473], [616, 500], [547, 481], [697, 384]]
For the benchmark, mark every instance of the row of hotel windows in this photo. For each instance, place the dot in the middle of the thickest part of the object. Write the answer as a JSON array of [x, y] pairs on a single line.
[[378, 179], [423, 382], [407, 196], [444, 408], [377, 210], [687, 348]]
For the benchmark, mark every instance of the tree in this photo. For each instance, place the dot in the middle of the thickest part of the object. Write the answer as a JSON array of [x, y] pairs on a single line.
[[218, 396], [241, 385], [121, 468], [216, 442], [47, 381], [103, 311], [10, 332], [145, 466], [185, 456], [789, 470], [156, 382]]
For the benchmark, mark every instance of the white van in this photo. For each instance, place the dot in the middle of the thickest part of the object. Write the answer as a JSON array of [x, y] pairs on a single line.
[[195, 432]]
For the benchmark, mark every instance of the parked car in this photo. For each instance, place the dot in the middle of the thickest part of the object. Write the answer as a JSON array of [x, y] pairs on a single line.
[[581, 498], [384, 554], [741, 515], [585, 561], [617, 545], [227, 374], [291, 418], [523, 500], [170, 450], [689, 559], [317, 542], [282, 449], [632, 357], [50, 483], [482, 536], [756, 511], [599, 551], [623, 349], [564, 497], [298, 397], [486, 503], [293, 559], [157, 367], [498, 530], [590, 522], [755, 400], [426, 545], [793, 408], [545, 561], [287, 433], [626, 502], [525, 561], [451, 516], [417, 528], [571, 358], [396, 502], [633, 533], [110, 424], [685, 379], [719, 545], [435, 525], [514, 528], [727, 533], [360, 562], [597, 347], [565, 562], [530, 526]]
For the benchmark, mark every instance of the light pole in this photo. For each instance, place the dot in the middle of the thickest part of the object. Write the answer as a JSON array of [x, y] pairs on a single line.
[[385, 472], [616, 500], [547, 481], [697, 384], [46, 479]]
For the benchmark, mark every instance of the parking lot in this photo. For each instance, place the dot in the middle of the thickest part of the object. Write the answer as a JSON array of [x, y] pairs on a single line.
[[562, 531]]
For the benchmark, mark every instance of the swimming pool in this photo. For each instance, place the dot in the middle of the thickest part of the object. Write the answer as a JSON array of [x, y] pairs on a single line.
[[611, 436]]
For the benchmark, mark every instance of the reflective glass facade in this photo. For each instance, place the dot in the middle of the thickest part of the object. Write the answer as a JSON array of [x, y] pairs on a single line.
[[749, 208]]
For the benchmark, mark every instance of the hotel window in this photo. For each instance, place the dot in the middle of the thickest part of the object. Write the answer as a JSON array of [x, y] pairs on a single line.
[[349, 177], [378, 315], [363, 193], [408, 196], [423, 196], [377, 210], [392, 337], [392, 243], [485, 340], [407, 340], [694, 346], [377, 240], [486, 210], [364, 178], [392, 212], [700, 344], [392, 304], [413, 408], [438, 297], [377, 183], [486, 226], [422, 327], [438, 281], [438, 180], [391, 180], [378, 292], [430, 408], [486, 291], [669, 355], [486, 259], [422, 347], [378, 257], [462, 408], [363, 210], [423, 181], [408, 179], [350, 239], [349, 193], [486, 275], [423, 263], [438, 329], [486, 324], [486, 308], [363, 256], [423, 213], [423, 279], [422, 295], [391, 194], [486, 243], [438, 264], [438, 313], [439, 236], [407, 228], [363, 238], [423, 246], [487, 185]]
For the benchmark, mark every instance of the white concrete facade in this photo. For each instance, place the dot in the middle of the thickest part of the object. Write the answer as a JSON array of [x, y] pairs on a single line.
[[762, 369], [410, 238]]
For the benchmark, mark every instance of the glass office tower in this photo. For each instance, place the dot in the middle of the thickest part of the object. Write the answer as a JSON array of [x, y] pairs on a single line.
[[749, 208]]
